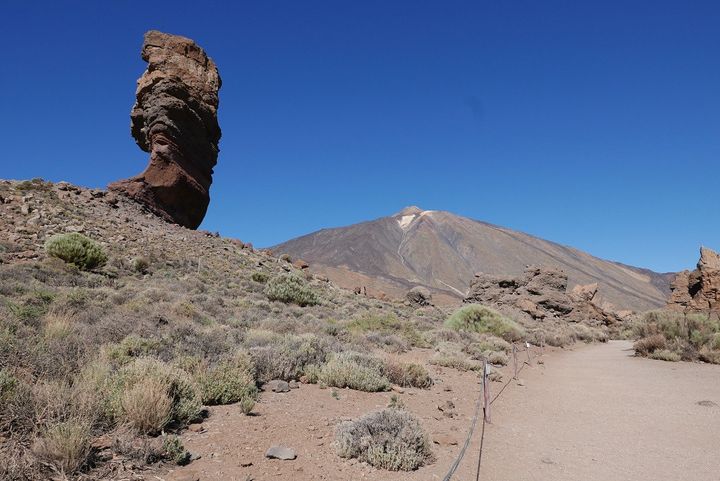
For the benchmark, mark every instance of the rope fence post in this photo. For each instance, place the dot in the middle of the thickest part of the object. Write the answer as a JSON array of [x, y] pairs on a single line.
[[515, 366], [486, 392], [527, 348]]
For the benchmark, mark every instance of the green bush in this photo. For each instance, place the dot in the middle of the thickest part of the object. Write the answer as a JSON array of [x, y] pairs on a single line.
[[391, 439], [260, 277], [481, 319], [8, 383], [76, 249], [230, 380], [175, 451], [355, 371], [291, 289]]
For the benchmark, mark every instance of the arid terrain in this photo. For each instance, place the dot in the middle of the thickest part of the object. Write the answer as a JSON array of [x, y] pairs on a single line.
[[593, 413], [135, 347]]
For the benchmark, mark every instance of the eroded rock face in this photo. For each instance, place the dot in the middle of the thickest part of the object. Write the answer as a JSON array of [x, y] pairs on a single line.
[[175, 119], [541, 292], [698, 290]]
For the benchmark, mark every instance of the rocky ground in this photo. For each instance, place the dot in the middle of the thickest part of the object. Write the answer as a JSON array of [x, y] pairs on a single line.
[[191, 303]]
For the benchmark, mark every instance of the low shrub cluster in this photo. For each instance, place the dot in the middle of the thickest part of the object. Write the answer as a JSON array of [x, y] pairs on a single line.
[[286, 356], [391, 439], [77, 249], [674, 336], [481, 319], [291, 289], [355, 371]]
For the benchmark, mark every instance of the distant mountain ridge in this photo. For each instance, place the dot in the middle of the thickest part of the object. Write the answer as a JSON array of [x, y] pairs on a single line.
[[443, 251]]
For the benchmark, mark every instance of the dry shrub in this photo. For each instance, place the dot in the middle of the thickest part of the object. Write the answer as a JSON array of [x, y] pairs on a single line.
[[407, 374], [665, 355], [177, 384], [229, 381], [449, 354], [355, 371], [650, 344], [498, 358], [391, 439], [65, 445], [286, 356], [146, 406]]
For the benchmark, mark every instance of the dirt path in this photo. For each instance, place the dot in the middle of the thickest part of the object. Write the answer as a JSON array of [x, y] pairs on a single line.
[[598, 414], [593, 413]]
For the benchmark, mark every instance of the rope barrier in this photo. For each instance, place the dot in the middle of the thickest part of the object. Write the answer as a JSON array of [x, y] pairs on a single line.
[[483, 399], [456, 463]]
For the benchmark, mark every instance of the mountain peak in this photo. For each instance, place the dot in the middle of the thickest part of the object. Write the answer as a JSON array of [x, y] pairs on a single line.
[[410, 210], [443, 251]]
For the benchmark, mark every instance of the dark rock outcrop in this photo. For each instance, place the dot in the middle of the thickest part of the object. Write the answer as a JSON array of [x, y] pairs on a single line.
[[419, 296], [175, 119], [540, 293], [698, 290]]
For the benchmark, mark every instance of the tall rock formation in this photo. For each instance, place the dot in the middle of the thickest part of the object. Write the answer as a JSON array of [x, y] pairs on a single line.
[[698, 290], [175, 119]]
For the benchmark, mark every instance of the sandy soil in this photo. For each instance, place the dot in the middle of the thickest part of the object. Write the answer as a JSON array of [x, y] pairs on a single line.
[[599, 414], [594, 413]]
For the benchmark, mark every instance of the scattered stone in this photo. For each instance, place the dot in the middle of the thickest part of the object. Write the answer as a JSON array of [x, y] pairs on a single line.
[[294, 385], [398, 389], [448, 409], [300, 264], [520, 382], [175, 119], [196, 428], [707, 404], [443, 439], [281, 452], [277, 385]]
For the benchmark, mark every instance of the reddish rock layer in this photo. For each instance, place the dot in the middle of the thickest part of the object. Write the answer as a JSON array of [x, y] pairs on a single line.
[[175, 119]]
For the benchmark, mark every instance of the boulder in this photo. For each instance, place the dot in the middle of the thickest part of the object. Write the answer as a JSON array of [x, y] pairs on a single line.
[[175, 119], [419, 296], [281, 452]]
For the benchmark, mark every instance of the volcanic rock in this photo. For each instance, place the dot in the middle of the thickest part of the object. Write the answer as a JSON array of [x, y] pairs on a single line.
[[698, 290], [175, 119], [419, 296], [541, 292]]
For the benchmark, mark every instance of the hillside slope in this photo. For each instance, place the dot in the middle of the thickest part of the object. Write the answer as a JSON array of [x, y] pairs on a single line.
[[443, 251]]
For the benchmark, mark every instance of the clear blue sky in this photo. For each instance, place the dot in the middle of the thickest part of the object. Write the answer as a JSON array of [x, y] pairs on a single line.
[[591, 123]]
